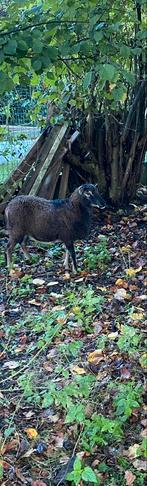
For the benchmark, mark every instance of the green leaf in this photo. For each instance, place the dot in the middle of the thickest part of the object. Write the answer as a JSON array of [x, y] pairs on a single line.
[[37, 65], [87, 80], [37, 46], [125, 51], [11, 47], [98, 35], [119, 94], [77, 465], [52, 53], [22, 45], [107, 72], [89, 475]]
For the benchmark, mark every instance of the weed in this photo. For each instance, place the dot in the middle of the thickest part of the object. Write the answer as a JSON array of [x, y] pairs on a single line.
[[82, 473], [127, 398], [100, 430], [97, 256], [84, 305], [129, 340]]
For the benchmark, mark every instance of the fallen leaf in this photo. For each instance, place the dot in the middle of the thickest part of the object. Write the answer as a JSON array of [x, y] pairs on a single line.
[[34, 302], [78, 370], [31, 433], [103, 289], [140, 465], [132, 451], [38, 281], [16, 273], [11, 365], [95, 357], [137, 316], [129, 477], [131, 272], [144, 422], [101, 375], [126, 249], [113, 335], [144, 433], [121, 294], [29, 415], [121, 283], [66, 276], [125, 373]]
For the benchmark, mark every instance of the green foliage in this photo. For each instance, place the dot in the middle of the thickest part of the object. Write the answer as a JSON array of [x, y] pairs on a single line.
[[129, 340], [100, 430], [97, 256], [76, 49], [128, 397], [81, 472]]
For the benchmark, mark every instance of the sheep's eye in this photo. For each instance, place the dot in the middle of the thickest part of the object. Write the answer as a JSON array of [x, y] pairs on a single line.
[[88, 194]]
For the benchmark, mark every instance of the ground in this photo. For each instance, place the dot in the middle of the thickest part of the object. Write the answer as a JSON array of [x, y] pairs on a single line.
[[73, 359]]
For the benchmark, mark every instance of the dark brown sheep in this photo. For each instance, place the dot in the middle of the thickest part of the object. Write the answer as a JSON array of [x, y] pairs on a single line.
[[65, 220]]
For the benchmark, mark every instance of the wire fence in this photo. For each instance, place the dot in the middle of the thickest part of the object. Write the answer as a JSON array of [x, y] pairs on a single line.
[[17, 131]]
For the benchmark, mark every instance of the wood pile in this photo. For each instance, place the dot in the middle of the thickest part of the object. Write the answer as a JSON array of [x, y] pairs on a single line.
[[43, 171]]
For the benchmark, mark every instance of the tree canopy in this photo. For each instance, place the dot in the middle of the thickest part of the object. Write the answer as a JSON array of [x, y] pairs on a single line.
[[92, 53]]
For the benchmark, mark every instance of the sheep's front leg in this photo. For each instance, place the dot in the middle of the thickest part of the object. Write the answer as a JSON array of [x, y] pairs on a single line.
[[71, 251], [66, 261]]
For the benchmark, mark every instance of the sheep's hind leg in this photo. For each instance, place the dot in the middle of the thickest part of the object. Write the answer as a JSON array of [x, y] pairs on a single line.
[[71, 251], [24, 248], [10, 247]]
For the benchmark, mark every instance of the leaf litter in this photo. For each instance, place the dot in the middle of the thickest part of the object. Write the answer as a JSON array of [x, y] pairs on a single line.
[[73, 361]]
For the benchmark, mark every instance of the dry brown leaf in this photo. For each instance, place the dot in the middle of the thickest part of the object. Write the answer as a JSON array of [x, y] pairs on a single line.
[[129, 477], [121, 295], [144, 422], [95, 357], [144, 433], [78, 370], [101, 375], [125, 373], [140, 465], [121, 283], [132, 451], [34, 302]]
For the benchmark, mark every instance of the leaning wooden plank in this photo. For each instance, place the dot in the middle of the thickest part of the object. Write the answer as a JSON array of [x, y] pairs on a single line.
[[24, 166], [49, 159], [45, 186], [42, 155]]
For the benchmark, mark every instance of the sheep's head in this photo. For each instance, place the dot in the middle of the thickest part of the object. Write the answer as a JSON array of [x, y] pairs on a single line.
[[90, 194]]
